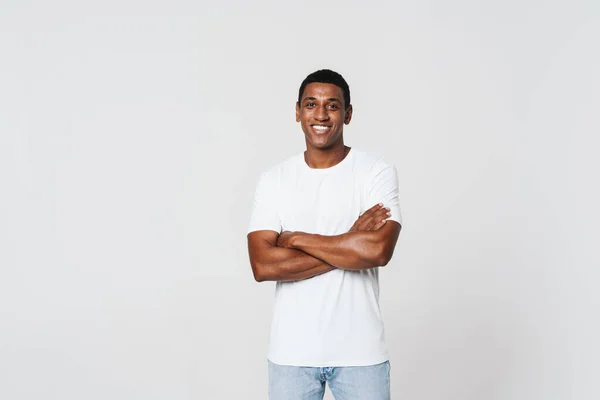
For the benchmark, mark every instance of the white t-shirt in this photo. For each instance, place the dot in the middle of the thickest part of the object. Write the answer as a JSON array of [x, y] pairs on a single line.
[[332, 319]]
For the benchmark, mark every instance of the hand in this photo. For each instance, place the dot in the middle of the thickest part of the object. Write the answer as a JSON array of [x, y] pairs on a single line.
[[284, 239], [372, 219]]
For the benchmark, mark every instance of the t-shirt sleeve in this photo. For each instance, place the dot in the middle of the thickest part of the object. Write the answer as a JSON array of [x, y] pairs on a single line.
[[264, 211], [383, 188]]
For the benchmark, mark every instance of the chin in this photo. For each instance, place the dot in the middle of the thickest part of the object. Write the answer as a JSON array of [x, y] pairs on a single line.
[[323, 145], [320, 145]]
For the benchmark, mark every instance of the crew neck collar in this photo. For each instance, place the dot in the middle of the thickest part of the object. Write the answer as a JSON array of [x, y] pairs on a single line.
[[345, 160]]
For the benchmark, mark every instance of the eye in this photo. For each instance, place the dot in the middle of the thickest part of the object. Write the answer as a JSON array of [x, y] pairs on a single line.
[[309, 104], [333, 106]]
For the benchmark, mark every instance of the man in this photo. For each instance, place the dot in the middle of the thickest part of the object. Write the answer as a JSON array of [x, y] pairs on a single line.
[[323, 222]]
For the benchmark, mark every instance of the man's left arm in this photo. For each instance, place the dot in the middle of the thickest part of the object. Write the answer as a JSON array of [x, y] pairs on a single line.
[[351, 250]]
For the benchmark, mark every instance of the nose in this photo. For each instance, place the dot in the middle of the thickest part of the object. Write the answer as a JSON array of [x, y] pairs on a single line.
[[321, 114]]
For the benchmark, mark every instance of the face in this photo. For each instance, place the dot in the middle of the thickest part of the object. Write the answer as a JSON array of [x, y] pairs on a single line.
[[322, 114]]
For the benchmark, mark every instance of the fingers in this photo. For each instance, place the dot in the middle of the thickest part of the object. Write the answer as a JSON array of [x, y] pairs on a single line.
[[365, 221], [372, 219], [371, 210], [376, 219], [379, 225]]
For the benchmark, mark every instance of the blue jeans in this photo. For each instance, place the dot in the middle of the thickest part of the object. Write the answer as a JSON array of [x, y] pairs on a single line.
[[346, 383]]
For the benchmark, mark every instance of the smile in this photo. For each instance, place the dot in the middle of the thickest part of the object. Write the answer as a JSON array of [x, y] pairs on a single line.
[[321, 128]]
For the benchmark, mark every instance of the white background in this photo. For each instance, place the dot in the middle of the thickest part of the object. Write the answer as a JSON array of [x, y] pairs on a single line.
[[132, 134]]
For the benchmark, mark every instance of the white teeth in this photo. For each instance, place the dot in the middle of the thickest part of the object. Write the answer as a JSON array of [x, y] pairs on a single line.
[[320, 127]]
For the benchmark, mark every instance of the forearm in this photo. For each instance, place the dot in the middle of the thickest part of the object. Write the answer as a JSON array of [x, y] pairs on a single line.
[[352, 250], [281, 264]]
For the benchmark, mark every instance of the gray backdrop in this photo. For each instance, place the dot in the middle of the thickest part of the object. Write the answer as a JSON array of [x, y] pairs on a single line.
[[132, 134]]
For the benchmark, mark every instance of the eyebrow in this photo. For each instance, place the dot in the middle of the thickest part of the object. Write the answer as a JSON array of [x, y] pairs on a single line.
[[329, 99]]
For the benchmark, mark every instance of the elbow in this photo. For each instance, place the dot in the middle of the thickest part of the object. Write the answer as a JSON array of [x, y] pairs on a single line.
[[384, 256], [375, 260], [258, 277], [259, 272], [381, 261]]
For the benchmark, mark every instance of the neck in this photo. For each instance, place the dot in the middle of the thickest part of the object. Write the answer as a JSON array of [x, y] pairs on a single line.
[[325, 158]]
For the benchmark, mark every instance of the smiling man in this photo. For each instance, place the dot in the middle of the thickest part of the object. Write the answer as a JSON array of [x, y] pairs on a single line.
[[322, 224]]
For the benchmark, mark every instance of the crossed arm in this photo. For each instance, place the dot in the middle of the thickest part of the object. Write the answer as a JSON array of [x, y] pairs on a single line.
[[292, 256]]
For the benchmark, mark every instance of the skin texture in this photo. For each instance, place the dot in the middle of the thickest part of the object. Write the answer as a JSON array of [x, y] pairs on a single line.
[[369, 243], [352, 250], [272, 260]]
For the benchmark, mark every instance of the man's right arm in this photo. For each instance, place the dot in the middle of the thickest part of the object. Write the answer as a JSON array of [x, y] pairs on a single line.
[[272, 263], [269, 262]]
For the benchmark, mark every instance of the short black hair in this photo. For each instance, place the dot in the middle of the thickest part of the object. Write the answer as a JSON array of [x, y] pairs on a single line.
[[327, 76]]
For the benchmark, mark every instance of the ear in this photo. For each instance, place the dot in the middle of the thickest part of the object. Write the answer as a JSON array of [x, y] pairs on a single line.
[[297, 112], [348, 116]]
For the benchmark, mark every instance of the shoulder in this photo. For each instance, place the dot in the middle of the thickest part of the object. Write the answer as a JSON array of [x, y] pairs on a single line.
[[274, 173], [370, 163]]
